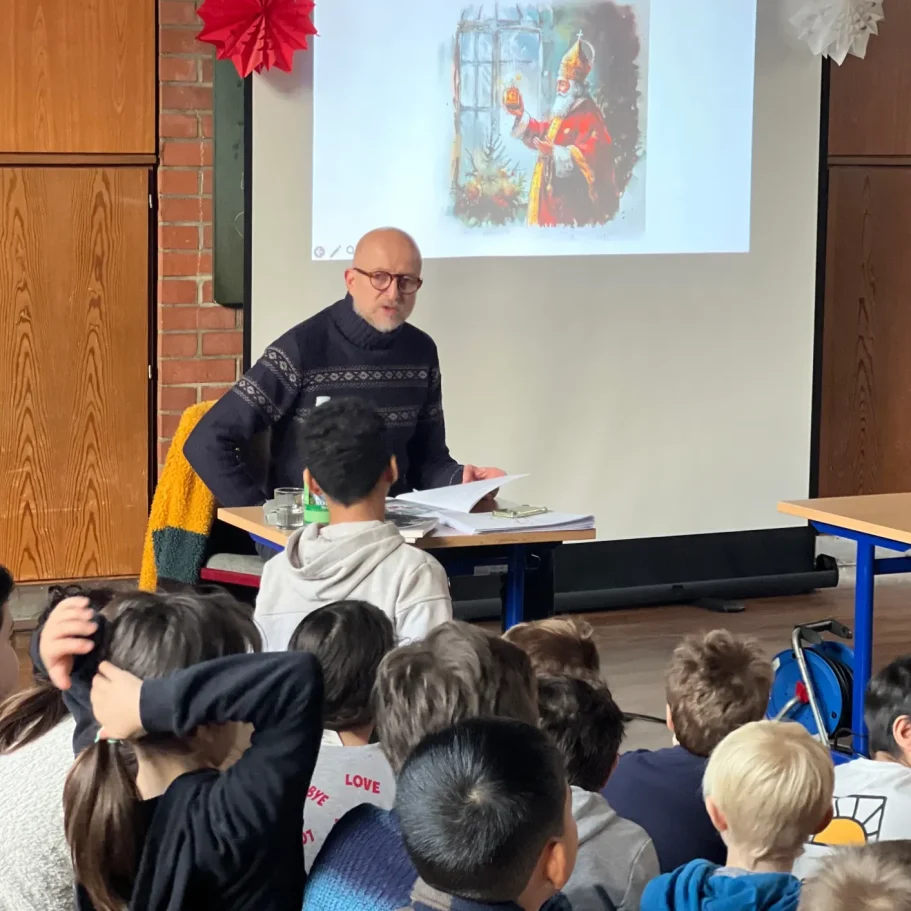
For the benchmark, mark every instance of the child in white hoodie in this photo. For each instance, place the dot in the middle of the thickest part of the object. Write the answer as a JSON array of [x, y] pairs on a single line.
[[358, 556]]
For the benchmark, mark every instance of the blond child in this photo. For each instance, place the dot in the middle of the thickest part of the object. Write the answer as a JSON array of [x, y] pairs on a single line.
[[874, 877], [767, 789]]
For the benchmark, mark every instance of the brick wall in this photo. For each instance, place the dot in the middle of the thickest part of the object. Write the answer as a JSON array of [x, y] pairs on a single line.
[[199, 343]]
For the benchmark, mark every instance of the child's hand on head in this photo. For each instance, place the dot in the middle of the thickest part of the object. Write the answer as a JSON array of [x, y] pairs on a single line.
[[67, 633], [115, 703]]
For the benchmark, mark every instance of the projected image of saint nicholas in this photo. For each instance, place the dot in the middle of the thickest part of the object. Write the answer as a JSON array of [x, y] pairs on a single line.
[[572, 182], [582, 67]]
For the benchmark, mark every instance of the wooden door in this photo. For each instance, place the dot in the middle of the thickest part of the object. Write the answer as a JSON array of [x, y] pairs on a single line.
[[77, 76], [74, 433], [865, 418]]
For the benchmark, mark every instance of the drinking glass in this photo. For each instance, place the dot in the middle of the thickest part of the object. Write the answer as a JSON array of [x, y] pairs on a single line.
[[289, 507]]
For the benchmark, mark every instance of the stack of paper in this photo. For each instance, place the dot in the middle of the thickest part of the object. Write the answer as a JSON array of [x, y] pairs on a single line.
[[453, 506], [459, 497], [479, 523]]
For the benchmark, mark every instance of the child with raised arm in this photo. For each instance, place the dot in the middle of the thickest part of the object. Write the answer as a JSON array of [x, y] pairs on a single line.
[[151, 822], [36, 753]]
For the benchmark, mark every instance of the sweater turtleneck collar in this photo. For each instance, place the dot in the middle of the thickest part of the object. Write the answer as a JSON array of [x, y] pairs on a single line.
[[357, 330]]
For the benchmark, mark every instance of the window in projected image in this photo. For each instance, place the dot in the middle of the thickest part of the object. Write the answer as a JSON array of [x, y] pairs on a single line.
[[516, 129], [508, 41]]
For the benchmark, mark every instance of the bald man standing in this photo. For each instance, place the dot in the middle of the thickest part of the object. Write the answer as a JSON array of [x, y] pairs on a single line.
[[361, 346]]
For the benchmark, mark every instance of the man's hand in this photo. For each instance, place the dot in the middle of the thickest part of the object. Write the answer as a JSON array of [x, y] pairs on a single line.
[[544, 148], [512, 101], [474, 473], [115, 703], [67, 633]]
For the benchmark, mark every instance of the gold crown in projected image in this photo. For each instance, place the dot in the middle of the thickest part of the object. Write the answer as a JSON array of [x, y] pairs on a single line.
[[577, 62]]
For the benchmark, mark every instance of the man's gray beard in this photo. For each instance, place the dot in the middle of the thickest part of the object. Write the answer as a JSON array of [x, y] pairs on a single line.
[[381, 329], [563, 104]]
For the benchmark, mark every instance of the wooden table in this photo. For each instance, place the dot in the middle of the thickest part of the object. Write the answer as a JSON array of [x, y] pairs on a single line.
[[883, 520], [460, 554]]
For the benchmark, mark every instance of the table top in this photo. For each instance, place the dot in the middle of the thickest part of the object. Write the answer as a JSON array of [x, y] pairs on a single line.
[[886, 515], [251, 520]]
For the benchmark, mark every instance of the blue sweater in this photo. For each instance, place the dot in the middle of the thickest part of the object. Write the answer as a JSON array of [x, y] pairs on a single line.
[[695, 886], [364, 866], [661, 790], [333, 354]]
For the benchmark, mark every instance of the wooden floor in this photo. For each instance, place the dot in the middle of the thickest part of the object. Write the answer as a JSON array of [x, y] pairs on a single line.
[[635, 644]]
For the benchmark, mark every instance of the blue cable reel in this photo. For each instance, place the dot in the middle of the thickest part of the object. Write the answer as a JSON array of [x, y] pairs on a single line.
[[813, 682]]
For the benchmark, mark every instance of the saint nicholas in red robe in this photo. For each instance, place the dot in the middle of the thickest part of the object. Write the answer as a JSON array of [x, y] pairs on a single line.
[[573, 179]]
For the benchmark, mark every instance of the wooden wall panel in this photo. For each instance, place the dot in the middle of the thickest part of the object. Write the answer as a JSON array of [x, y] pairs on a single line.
[[77, 76], [869, 107], [74, 439], [865, 420]]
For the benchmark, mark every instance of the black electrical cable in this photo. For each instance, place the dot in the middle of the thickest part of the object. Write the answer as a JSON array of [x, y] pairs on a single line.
[[635, 716]]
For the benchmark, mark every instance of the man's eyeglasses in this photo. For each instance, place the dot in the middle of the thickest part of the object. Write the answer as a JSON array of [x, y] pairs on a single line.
[[408, 284]]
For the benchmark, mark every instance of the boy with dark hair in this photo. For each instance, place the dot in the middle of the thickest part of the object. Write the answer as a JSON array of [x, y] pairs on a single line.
[[359, 555], [715, 683], [616, 857], [873, 796], [349, 639], [483, 830], [458, 672]]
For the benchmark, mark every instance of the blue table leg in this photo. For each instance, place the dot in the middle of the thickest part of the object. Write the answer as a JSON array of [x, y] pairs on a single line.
[[863, 640], [514, 608]]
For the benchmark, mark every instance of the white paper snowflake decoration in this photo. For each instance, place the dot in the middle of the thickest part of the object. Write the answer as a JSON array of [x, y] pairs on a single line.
[[835, 28]]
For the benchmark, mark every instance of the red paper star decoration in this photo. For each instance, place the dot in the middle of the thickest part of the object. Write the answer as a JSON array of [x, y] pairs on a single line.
[[257, 34]]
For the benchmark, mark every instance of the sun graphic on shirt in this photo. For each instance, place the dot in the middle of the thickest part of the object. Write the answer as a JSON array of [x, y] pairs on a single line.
[[856, 821]]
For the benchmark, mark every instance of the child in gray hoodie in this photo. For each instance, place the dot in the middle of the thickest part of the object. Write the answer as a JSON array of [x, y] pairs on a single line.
[[358, 556], [616, 857]]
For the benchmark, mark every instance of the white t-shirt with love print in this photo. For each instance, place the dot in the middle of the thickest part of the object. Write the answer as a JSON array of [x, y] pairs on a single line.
[[344, 778]]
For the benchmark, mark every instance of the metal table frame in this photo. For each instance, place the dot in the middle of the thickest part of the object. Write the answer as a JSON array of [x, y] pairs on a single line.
[[868, 567]]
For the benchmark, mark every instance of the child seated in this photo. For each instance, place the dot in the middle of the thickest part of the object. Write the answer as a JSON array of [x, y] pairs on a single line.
[[150, 820], [36, 733], [558, 645], [483, 830], [616, 857], [875, 877], [359, 556], [873, 796], [714, 684], [457, 672], [9, 660], [349, 639], [767, 788]]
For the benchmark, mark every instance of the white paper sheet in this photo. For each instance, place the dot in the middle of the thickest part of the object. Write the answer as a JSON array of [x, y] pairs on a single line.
[[459, 497], [480, 523]]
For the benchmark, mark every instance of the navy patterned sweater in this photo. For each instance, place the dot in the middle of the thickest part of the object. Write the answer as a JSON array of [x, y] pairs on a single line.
[[333, 354]]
